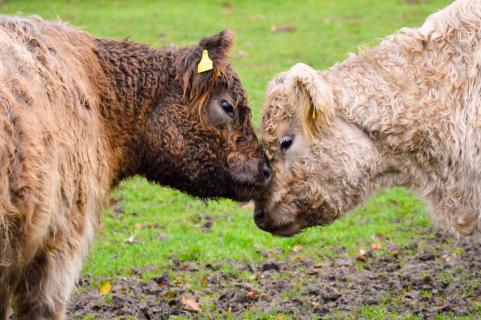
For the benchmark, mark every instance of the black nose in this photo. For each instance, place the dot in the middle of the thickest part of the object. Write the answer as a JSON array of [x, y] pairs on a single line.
[[259, 216], [267, 173]]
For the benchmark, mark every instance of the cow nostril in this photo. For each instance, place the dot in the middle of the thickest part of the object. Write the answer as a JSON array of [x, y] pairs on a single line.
[[259, 216], [267, 173]]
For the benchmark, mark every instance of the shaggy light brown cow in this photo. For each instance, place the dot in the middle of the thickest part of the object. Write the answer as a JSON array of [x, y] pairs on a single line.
[[79, 114], [405, 113]]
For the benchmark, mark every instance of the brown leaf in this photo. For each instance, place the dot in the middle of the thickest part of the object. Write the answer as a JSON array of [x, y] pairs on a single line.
[[376, 245], [361, 256], [252, 294], [190, 304]]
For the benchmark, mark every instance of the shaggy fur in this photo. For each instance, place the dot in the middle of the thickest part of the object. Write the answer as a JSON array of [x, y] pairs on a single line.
[[405, 113], [79, 114]]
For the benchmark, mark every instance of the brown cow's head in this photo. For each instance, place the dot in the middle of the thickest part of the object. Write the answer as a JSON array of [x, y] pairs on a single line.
[[199, 136]]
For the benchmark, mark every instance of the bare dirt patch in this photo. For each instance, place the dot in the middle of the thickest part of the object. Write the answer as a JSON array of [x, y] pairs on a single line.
[[427, 278]]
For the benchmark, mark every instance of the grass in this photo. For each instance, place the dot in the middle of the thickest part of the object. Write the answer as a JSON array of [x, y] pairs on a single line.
[[165, 224]]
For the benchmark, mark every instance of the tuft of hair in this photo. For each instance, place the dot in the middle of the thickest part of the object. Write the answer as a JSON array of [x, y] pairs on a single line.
[[198, 87], [313, 98]]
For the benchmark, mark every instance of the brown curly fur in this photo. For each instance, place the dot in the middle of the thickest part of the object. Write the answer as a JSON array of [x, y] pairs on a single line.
[[79, 114], [405, 113]]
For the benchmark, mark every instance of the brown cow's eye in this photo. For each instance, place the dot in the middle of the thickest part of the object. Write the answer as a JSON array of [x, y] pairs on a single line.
[[286, 142], [228, 108]]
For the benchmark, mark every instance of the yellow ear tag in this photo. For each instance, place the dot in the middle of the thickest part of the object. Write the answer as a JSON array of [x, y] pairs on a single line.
[[314, 114], [217, 73], [205, 63]]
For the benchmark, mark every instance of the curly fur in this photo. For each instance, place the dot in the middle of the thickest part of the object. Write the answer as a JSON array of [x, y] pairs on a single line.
[[77, 115], [405, 113]]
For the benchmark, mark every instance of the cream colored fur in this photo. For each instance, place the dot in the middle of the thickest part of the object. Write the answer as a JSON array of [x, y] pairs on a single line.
[[405, 113]]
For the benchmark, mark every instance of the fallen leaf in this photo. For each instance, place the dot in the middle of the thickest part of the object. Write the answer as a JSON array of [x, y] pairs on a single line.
[[204, 282], [267, 253], [138, 226], [394, 250], [297, 249], [283, 28], [296, 258], [191, 304], [361, 256], [446, 256], [252, 294], [131, 239], [376, 245], [105, 288], [170, 295]]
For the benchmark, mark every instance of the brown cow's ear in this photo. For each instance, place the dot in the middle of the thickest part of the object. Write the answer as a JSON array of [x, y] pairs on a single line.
[[314, 99], [218, 47], [212, 53]]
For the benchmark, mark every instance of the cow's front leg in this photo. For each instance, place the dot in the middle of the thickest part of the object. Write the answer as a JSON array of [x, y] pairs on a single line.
[[44, 288]]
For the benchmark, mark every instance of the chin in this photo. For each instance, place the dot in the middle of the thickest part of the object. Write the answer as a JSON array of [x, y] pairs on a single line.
[[286, 230]]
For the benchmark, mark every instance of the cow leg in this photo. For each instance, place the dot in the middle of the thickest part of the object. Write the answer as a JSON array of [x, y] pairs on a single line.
[[4, 296], [44, 288]]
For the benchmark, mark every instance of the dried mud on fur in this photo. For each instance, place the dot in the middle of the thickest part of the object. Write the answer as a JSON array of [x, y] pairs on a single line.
[[430, 277]]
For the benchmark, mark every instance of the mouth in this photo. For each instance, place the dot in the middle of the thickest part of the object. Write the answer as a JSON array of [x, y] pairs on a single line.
[[247, 188], [287, 230], [264, 222], [248, 191]]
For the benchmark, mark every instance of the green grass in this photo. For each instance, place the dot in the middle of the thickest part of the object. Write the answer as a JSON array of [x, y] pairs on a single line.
[[325, 32]]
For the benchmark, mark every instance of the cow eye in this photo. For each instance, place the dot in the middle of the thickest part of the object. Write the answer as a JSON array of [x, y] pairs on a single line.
[[228, 108], [286, 143]]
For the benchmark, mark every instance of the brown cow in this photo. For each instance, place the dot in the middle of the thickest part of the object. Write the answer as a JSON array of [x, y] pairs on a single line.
[[78, 115]]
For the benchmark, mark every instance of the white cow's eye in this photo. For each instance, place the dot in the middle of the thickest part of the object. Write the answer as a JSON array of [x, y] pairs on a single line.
[[286, 142]]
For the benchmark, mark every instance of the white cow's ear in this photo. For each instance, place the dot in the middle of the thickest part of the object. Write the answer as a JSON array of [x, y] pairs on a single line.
[[314, 100]]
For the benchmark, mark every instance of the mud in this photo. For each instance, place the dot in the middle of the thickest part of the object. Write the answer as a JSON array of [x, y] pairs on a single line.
[[431, 277]]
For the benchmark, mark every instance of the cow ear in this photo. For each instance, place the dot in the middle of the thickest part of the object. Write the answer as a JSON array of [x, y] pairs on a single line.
[[217, 47], [314, 99], [199, 67]]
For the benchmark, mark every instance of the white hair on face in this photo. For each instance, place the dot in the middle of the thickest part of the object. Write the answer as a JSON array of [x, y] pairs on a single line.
[[406, 112]]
